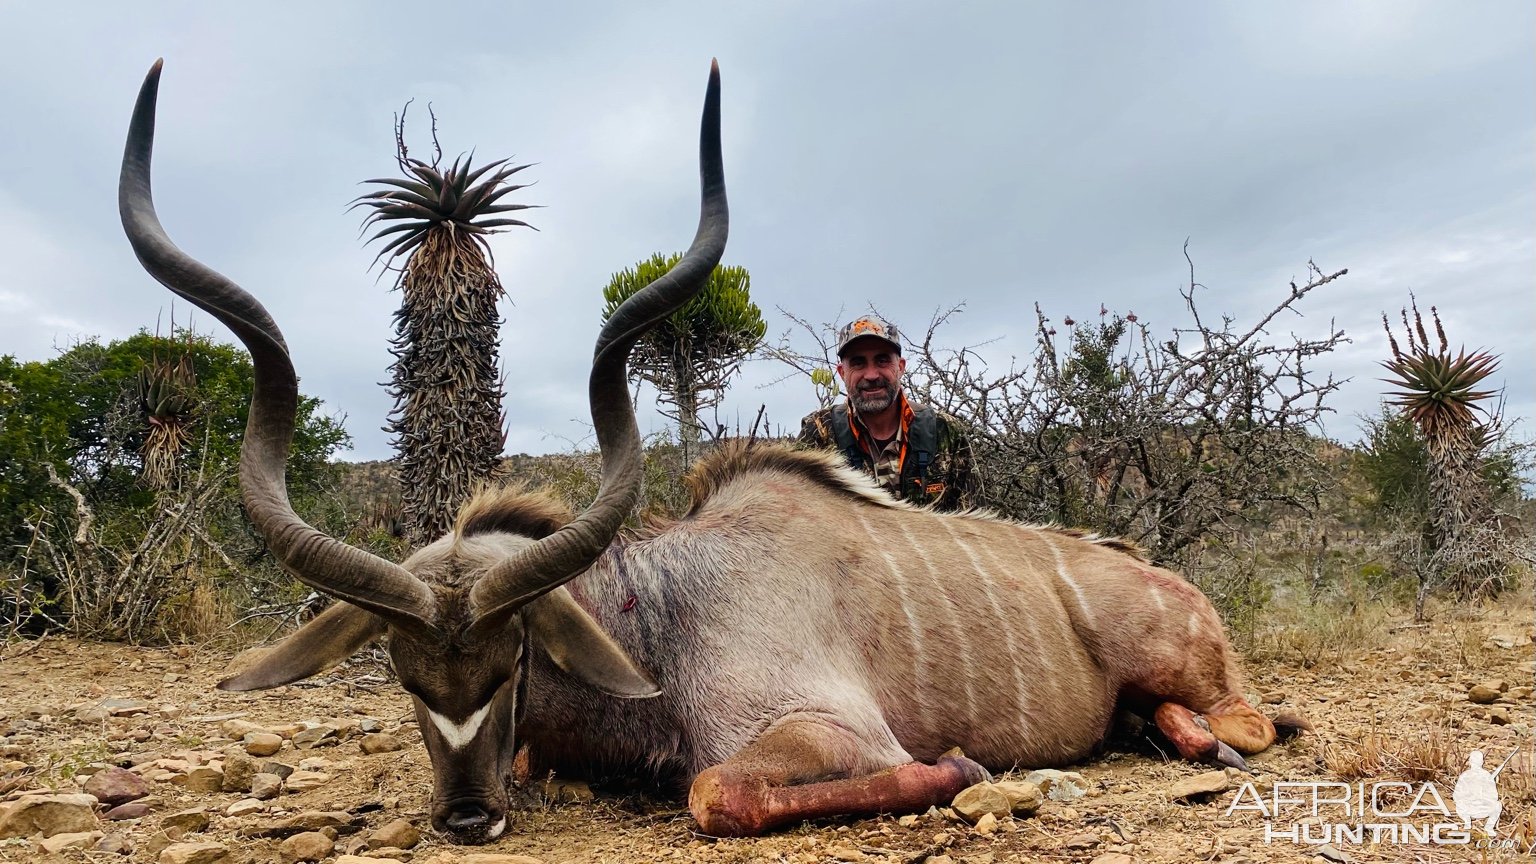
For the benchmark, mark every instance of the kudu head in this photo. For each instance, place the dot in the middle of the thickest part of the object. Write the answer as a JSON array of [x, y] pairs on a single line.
[[461, 615]]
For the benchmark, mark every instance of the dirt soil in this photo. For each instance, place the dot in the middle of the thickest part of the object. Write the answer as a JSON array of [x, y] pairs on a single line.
[[1404, 696]]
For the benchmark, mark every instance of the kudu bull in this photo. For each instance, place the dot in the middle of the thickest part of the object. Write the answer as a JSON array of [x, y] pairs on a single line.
[[798, 645]]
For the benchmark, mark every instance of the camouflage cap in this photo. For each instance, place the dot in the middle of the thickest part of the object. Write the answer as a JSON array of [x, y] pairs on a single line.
[[868, 325]]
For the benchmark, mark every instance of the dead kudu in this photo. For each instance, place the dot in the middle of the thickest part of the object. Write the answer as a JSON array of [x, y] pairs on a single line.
[[798, 645]]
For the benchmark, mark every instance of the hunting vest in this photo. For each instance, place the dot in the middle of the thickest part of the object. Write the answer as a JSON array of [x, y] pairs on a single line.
[[922, 443]]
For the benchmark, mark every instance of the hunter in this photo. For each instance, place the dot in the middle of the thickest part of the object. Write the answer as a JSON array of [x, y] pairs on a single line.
[[916, 453]]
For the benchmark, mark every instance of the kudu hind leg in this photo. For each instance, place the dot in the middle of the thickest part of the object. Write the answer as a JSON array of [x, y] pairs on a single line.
[[755, 791], [1219, 733]]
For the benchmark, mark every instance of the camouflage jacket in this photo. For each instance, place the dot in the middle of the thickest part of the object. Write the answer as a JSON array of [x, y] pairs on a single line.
[[928, 462]]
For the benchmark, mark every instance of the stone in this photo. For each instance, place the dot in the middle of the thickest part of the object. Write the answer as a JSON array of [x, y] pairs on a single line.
[[987, 824], [495, 858], [370, 724], [1083, 840], [1273, 697], [318, 736], [400, 834], [1200, 785], [125, 707], [1499, 715], [115, 844], [245, 807], [194, 853], [314, 763], [1063, 786], [1484, 693], [204, 778], [308, 846], [379, 742], [390, 852], [48, 815], [1113, 858], [281, 769], [315, 820], [908, 821], [78, 840], [261, 743], [236, 729], [302, 781], [131, 810], [369, 859], [265, 787], [189, 821], [113, 786], [980, 799], [1023, 797], [239, 768], [160, 840]]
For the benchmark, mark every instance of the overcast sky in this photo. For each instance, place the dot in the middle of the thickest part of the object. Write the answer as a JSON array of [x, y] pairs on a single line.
[[1002, 154]]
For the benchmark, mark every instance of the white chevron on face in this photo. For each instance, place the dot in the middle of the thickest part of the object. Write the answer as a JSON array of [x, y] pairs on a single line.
[[459, 734]]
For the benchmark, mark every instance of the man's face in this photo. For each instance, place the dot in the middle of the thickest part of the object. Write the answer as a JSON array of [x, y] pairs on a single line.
[[871, 370]]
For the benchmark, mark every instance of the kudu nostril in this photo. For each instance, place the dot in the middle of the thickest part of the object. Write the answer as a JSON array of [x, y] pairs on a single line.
[[467, 818]]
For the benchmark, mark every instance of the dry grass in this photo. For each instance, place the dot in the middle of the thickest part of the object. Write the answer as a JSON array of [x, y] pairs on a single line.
[[1318, 635], [1415, 755]]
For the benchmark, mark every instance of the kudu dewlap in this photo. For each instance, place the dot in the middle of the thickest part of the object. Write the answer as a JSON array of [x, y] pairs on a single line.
[[817, 646]]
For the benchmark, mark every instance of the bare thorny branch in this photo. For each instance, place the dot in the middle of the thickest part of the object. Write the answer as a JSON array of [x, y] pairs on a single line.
[[1128, 434]]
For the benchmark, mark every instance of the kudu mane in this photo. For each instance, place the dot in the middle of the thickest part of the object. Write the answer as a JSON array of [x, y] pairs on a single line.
[[514, 509]]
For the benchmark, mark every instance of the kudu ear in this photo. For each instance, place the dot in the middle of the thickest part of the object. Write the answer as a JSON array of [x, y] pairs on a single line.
[[334, 635], [577, 645]]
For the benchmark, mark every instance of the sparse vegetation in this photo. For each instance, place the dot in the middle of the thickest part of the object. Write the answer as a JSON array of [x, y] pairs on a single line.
[[446, 376], [691, 356]]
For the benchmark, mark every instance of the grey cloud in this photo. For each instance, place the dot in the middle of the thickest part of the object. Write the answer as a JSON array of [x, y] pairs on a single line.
[[897, 154]]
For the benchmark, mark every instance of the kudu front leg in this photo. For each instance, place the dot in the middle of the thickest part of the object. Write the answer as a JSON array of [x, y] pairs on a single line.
[[781, 779]]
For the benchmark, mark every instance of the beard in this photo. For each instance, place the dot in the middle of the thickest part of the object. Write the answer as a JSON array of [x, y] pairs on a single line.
[[874, 401]]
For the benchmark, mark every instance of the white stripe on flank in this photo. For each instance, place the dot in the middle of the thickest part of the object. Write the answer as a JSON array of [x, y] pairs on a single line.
[[1015, 660], [957, 628], [459, 734], [914, 632], [1061, 570]]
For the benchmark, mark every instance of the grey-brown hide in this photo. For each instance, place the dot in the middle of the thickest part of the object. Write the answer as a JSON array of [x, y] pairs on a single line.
[[796, 589]]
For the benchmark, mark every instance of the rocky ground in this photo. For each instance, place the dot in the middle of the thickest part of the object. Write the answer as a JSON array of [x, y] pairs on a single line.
[[112, 753]]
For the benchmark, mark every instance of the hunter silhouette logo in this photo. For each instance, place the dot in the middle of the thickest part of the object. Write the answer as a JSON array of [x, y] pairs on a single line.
[[1477, 793]]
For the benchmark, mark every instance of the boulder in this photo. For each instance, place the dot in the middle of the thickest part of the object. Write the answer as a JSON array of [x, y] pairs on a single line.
[[400, 834], [80, 840], [265, 787], [379, 742], [302, 781], [131, 810], [49, 815], [261, 743], [113, 786], [308, 846], [1063, 786], [317, 736], [188, 821], [1200, 785], [975, 801], [1023, 797], [194, 853], [239, 768]]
